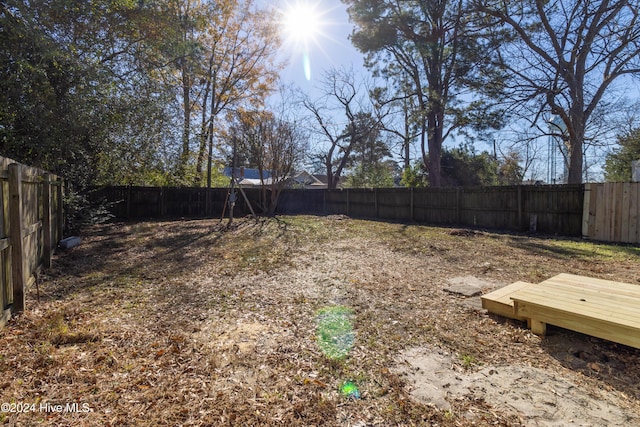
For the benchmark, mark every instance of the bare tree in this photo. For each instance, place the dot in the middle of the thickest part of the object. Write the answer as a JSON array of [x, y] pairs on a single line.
[[336, 118], [274, 146], [398, 116], [565, 58]]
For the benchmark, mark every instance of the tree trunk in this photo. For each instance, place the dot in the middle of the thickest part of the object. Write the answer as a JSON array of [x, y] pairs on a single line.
[[186, 132], [273, 201], [212, 115], [576, 134], [406, 140], [575, 157], [331, 185], [204, 129], [434, 141]]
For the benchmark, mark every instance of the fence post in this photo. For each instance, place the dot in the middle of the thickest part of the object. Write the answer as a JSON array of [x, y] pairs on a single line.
[[15, 236], [46, 219]]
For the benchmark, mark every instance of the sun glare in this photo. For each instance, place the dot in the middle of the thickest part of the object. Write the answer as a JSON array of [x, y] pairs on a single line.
[[301, 22]]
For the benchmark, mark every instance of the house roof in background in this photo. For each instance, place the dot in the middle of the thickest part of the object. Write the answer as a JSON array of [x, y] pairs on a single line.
[[306, 178], [247, 173]]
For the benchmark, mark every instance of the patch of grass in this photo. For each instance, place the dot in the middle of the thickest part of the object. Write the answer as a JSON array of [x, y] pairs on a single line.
[[570, 248], [61, 328], [468, 361]]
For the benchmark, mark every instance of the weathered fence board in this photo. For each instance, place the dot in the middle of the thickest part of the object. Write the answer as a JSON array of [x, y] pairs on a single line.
[[31, 224], [611, 212], [558, 208]]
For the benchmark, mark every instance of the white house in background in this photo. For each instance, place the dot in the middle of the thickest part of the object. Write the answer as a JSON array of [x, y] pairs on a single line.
[[308, 181], [250, 177]]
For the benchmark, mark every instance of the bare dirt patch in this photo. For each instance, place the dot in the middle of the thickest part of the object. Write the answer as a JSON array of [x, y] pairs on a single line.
[[191, 323], [536, 396]]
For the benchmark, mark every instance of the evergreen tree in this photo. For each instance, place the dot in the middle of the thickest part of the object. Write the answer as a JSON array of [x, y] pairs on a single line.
[[617, 166]]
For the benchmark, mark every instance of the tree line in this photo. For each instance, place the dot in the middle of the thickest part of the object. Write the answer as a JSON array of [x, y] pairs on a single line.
[[166, 92]]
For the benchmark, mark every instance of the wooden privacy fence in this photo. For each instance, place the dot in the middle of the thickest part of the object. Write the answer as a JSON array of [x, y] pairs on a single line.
[[31, 225], [606, 212], [612, 212], [551, 209], [167, 202]]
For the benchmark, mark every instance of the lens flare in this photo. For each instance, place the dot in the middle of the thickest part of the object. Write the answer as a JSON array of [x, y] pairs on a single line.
[[350, 390], [335, 333], [306, 65]]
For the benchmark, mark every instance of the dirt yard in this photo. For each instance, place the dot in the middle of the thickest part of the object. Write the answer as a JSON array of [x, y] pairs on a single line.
[[307, 321]]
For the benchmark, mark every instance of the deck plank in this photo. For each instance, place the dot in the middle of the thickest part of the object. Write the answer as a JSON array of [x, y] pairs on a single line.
[[596, 284]]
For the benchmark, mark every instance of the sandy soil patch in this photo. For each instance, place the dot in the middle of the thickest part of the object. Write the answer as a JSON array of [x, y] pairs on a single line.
[[538, 397]]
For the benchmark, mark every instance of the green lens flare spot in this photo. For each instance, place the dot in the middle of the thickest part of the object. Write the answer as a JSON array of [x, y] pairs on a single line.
[[335, 333], [350, 390]]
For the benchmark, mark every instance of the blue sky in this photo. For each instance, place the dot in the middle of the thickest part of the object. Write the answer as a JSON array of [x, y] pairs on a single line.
[[331, 48]]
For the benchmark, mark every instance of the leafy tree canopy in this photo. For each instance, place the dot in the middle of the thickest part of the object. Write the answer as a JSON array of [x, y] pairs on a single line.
[[463, 167], [618, 163]]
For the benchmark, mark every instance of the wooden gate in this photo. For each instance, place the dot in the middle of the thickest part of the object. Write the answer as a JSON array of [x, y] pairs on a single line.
[[31, 224]]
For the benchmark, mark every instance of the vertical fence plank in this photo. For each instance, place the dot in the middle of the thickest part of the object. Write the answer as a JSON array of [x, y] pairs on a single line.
[[599, 209], [348, 207], [324, 202], [520, 208], [411, 202], [634, 209], [593, 203], [624, 214], [6, 291], [46, 220], [161, 201], [376, 203], [616, 213], [586, 212], [15, 233], [128, 206], [458, 204]]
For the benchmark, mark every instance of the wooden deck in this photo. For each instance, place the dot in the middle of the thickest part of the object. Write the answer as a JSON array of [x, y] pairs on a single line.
[[601, 308]]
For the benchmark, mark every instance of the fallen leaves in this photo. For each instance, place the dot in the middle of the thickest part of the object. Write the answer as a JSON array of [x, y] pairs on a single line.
[[190, 323]]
